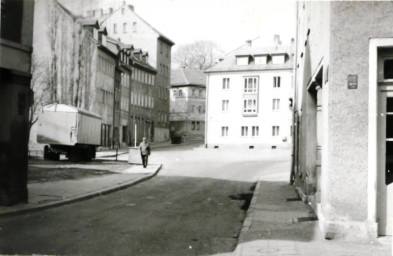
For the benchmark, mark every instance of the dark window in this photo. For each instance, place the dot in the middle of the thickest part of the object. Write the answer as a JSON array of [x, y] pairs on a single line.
[[11, 19], [388, 69]]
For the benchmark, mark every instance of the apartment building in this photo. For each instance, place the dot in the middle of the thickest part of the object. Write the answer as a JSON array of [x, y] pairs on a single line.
[[187, 104], [343, 143], [249, 97], [126, 26]]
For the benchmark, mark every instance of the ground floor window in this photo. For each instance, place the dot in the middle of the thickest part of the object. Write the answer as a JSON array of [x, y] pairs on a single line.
[[275, 131], [224, 131], [244, 131], [255, 131], [195, 126]]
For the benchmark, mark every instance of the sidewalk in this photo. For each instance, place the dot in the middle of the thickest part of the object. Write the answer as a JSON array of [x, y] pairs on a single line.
[[43, 195], [277, 223]]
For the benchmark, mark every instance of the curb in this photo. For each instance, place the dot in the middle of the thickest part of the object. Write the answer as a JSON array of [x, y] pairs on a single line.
[[82, 197], [250, 212]]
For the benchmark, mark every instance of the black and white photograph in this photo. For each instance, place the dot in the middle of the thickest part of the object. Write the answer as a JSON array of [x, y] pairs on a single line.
[[196, 127]]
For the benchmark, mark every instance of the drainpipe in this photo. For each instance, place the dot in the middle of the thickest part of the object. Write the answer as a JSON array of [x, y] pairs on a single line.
[[294, 104], [206, 107]]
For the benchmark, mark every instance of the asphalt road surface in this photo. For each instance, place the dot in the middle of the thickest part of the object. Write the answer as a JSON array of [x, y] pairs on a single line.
[[190, 208]]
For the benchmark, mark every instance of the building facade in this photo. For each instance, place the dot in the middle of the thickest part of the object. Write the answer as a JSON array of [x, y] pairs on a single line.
[[343, 107], [187, 104], [16, 42], [126, 26], [248, 98]]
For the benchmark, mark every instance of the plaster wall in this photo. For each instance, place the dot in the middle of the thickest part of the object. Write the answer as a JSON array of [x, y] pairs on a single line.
[[234, 118], [64, 58], [348, 110]]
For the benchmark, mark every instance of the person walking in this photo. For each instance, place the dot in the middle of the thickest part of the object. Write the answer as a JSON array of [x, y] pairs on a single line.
[[145, 151]]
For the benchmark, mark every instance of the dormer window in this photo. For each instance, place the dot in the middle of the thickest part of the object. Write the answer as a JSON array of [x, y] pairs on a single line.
[[278, 59], [260, 60], [242, 60]]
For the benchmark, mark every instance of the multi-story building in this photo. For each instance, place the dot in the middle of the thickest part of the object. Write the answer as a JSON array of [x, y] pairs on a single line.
[[187, 104], [125, 25], [343, 108], [137, 98], [248, 98], [16, 39]]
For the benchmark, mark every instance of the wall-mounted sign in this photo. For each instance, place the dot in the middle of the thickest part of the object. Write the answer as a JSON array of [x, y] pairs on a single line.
[[352, 81]]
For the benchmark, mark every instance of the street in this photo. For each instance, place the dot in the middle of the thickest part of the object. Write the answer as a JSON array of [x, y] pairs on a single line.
[[193, 207]]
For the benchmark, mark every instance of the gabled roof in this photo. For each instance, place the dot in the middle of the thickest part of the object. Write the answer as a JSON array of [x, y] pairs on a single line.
[[160, 35], [229, 62], [183, 77]]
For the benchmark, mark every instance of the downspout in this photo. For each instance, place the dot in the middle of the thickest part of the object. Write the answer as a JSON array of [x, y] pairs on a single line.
[[206, 108], [294, 104]]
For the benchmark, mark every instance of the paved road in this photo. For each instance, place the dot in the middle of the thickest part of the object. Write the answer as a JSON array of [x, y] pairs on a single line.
[[185, 210]]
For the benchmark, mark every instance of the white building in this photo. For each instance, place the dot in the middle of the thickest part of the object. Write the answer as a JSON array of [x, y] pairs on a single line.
[[249, 98]]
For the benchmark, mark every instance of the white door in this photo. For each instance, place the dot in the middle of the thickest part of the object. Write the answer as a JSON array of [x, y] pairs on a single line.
[[385, 161]]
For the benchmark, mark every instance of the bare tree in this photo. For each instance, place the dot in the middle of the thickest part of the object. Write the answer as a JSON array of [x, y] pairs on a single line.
[[199, 55], [53, 24], [41, 88]]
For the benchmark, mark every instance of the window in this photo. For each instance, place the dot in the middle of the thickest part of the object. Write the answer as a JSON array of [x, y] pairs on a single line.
[[192, 126], [244, 131], [115, 28], [250, 84], [250, 106], [255, 131], [197, 126], [122, 11], [193, 93], [275, 131], [276, 104], [225, 83], [278, 59], [259, 60], [180, 93], [388, 69], [225, 105], [200, 93], [224, 131], [134, 26], [276, 82], [124, 27], [242, 60]]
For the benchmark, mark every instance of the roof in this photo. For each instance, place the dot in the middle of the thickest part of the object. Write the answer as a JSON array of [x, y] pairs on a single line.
[[57, 107], [160, 35], [182, 77], [229, 62]]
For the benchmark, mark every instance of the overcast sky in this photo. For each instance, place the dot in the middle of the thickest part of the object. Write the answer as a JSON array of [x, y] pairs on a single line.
[[229, 23]]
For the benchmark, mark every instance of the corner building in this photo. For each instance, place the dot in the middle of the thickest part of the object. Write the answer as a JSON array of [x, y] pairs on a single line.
[[126, 26], [249, 95], [343, 108]]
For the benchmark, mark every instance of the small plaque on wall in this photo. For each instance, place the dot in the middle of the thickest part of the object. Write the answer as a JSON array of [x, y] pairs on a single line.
[[352, 81]]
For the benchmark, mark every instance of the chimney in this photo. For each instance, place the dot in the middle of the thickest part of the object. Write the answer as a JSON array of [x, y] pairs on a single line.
[[249, 43], [277, 40], [131, 7]]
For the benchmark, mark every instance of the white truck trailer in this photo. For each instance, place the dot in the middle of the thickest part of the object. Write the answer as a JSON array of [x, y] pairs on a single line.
[[68, 130]]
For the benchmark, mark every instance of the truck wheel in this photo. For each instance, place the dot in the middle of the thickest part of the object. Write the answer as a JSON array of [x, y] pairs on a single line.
[[46, 152], [75, 155], [87, 154]]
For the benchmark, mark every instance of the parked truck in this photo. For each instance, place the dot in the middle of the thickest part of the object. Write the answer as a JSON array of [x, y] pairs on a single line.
[[69, 130]]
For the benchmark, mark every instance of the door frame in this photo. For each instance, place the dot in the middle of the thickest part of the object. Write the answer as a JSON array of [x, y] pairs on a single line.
[[374, 44]]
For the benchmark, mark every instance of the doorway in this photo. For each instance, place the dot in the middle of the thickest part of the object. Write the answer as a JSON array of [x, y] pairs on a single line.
[[385, 160]]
